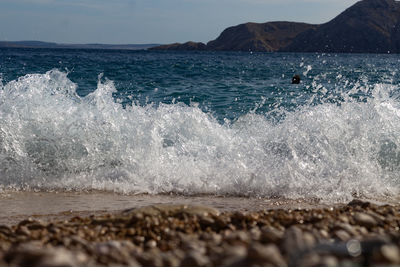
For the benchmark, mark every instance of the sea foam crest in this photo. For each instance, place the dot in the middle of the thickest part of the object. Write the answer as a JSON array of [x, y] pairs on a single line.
[[50, 138]]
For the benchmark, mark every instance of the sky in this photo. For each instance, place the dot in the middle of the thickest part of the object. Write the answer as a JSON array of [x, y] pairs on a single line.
[[149, 21]]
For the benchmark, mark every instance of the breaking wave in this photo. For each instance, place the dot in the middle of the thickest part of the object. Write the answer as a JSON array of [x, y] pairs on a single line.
[[53, 139]]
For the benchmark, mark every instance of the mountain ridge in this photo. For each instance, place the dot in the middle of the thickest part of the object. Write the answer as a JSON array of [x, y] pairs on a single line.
[[40, 44], [368, 26], [260, 37]]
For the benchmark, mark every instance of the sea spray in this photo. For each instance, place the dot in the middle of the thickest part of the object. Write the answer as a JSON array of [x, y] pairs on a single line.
[[53, 139]]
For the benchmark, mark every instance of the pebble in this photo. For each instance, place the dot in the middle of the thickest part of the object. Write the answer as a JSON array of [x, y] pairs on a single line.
[[294, 241], [365, 220], [342, 235], [195, 259], [346, 227], [270, 235], [185, 235], [261, 254], [329, 261], [391, 253], [35, 257], [151, 244], [23, 230]]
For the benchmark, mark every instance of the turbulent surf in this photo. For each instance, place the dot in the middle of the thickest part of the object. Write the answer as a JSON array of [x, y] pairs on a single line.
[[333, 137]]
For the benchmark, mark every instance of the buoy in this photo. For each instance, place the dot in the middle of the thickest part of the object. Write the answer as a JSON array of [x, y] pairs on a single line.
[[296, 79]]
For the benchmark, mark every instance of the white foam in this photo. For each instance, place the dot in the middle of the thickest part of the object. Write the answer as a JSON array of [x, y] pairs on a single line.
[[50, 138]]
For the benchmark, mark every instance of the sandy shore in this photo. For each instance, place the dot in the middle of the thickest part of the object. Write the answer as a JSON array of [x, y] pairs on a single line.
[[16, 206], [68, 229]]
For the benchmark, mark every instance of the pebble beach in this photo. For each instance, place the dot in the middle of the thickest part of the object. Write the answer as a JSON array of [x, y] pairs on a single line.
[[358, 233], [146, 158]]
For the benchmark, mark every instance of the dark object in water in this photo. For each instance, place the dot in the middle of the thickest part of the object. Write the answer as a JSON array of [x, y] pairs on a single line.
[[296, 79]]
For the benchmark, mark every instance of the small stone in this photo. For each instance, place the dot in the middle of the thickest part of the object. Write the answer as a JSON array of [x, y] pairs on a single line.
[[359, 203], [179, 254], [241, 236], [343, 218], [32, 224], [363, 231], [130, 231], [114, 251], [4, 229], [234, 262], [342, 235], [378, 218], [346, 227], [173, 210], [194, 259], [150, 259], [364, 219], [29, 255], [139, 239], [310, 259], [59, 257], [211, 237], [258, 253], [76, 240], [37, 225], [270, 235], [201, 211], [23, 230], [329, 261], [151, 244], [255, 233], [309, 239], [235, 251], [25, 222], [170, 260], [294, 240], [216, 238], [324, 234], [194, 245], [206, 221], [391, 253], [53, 229]]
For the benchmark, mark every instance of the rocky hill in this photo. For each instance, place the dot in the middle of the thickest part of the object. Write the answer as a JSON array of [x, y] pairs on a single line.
[[262, 37], [188, 46], [369, 26], [39, 44], [265, 37]]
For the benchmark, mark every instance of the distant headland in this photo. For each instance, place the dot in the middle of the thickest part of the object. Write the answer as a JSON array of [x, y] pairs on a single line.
[[369, 26], [38, 44]]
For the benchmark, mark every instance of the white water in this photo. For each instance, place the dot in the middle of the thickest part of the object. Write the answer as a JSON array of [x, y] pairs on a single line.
[[50, 138]]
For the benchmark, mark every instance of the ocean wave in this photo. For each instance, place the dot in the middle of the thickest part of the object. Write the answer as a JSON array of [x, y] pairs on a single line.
[[53, 139]]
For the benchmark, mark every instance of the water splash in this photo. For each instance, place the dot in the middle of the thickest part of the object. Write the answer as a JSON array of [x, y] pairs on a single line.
[[50, 138]]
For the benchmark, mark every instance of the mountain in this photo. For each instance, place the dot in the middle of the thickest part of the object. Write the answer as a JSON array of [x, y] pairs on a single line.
[[38, 44], [30, 44], [263, 37], [188, 46], [369, 26]]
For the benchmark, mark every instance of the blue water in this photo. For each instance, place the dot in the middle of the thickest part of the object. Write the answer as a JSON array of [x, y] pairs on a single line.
[[224, 123]]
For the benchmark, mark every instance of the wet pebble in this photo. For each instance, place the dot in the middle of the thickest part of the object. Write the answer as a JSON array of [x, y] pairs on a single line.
[[364, 219], [184, 235]]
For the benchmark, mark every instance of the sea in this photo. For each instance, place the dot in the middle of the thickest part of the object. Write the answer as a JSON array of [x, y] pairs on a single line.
[[226, 124]]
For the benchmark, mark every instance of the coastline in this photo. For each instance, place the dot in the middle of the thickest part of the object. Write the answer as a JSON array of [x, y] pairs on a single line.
[[19, 205], [97, 228]]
